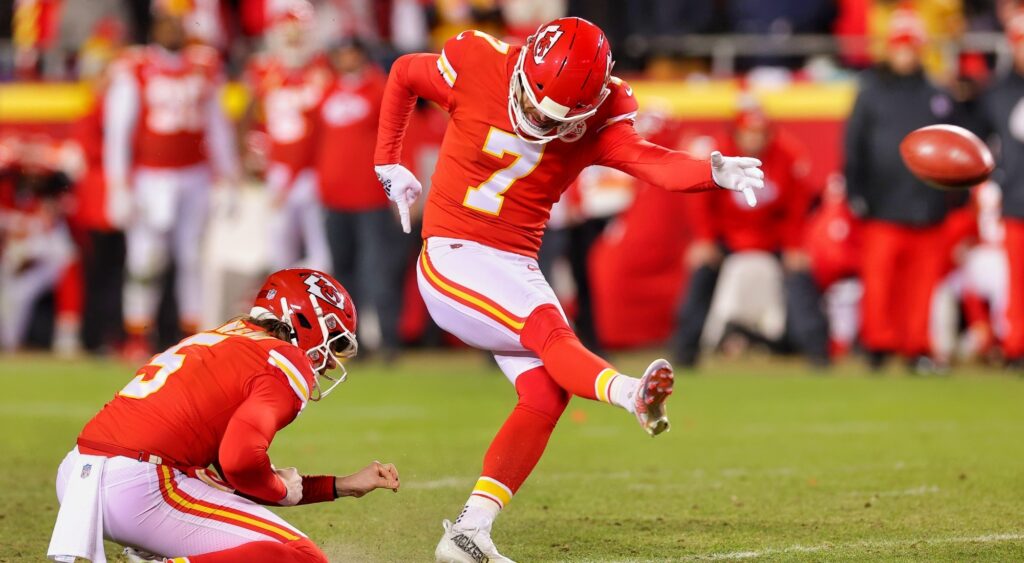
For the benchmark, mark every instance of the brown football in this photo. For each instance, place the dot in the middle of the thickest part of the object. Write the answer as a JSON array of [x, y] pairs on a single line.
[[947, 157]]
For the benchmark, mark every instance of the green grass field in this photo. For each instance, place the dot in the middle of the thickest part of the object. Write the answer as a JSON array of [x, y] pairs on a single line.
[[766, 461]]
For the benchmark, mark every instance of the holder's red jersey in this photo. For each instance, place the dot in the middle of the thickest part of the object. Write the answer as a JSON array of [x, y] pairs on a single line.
[[777, 223], [217, 397], [174, 89], [288, 99], [491, 186]]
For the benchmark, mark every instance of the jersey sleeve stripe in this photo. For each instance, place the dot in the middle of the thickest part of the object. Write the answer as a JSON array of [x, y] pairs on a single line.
[[294, 376], [624, 117], [183, 502], [446, 70]]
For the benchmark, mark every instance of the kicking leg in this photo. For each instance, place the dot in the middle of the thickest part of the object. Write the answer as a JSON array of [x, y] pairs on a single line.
[[583, 373]]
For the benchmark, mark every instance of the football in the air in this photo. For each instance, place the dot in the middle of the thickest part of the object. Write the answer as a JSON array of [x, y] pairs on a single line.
[[947, 156]]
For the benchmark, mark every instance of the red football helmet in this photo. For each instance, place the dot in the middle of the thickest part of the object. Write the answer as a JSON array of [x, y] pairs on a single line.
[[320, 313], [560, 80]]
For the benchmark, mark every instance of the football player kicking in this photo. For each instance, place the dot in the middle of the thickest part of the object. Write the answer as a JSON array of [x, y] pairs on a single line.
[[524, 122], [139, 474]]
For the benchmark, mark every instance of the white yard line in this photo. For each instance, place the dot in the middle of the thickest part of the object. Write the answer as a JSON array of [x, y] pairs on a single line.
[[838, 547]]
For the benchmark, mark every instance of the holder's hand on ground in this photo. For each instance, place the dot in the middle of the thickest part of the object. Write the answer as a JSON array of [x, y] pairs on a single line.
[[738, 174], [377, 475], [293, 483], [402, 188]]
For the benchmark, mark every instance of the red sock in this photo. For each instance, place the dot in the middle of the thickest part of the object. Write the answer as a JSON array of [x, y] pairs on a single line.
[[519, 444], [575, 368], [516, 448], [298, 551]]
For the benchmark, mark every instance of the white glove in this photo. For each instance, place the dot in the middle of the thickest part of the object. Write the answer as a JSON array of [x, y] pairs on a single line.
[[738, 173], [292, 483], [402, 188]]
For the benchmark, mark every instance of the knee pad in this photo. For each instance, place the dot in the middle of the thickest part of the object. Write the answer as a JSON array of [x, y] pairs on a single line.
[[544, 326], [307, 551], [539, 394]]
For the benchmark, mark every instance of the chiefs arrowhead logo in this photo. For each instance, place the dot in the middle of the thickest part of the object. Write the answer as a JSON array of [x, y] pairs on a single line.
[[545, 41], [325, 290]]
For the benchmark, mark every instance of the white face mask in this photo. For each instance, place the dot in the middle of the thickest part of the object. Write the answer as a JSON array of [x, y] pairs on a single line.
[[527, 125]]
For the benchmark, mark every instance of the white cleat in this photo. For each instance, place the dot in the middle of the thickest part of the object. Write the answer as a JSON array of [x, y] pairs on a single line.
[[467, 546], [139, 556], [655, 388]]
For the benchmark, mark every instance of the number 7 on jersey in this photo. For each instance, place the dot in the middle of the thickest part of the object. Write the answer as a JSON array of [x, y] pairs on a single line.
[[490, 194]]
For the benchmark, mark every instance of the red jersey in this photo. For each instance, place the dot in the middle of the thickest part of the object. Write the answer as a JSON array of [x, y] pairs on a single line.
[[344, 164], [492, 187], [217, 397], [174, 89], [778, 220], [91, 187], [288, 99]]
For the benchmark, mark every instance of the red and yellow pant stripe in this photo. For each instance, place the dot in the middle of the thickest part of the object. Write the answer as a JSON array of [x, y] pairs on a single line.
[[466, 296], [183, 502]]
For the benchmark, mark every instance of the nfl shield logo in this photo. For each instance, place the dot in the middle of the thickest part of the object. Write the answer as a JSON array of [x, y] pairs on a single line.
[[86, 469]]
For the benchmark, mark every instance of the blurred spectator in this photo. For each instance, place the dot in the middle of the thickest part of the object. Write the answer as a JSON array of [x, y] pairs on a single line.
[[977, 235], [725, 224], [902, 215], [832, 239], [35, 24], [939, 21], [1003, 110], [361, 230], [164, 125], [37, 255], [82, 22], [288, 84], [102, 243]]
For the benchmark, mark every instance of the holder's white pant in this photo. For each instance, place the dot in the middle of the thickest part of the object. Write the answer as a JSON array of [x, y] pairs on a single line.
[[165, 512]]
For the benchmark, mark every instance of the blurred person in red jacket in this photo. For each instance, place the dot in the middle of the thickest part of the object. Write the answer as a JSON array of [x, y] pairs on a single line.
[[724, 224], [832, 239], [166, 137], [361, 230], [288, 83]]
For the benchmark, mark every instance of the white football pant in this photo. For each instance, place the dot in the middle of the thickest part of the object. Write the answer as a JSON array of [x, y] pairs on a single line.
[[483, 296], [167, 513]]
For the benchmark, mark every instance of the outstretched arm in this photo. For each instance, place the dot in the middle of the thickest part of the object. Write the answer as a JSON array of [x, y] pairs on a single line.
[[622, 148]]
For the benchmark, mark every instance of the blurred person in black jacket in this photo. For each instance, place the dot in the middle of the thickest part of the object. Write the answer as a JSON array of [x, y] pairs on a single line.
[[902, 259], [1002, 112]]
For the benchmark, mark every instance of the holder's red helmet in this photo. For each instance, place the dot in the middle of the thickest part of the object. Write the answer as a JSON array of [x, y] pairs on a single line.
[[560, 79], [320, 313]]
